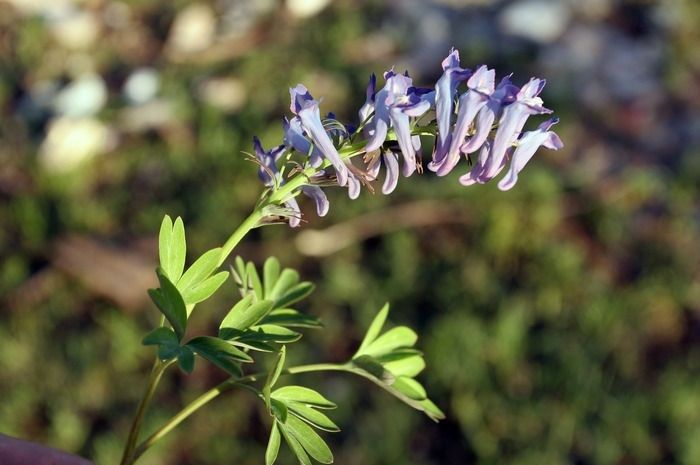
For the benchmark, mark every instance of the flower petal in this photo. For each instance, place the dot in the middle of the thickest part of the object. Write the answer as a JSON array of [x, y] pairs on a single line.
[[319, 197]]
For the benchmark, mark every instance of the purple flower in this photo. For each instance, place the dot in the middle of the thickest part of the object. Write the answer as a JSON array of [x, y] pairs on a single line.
[[307, 109], [319, 197], [512, 121], [445, 90], [368, 107], [503, 95], [481, 86], [294, 138], [526, 148], [268, 161], [391, 176], [476, 174]]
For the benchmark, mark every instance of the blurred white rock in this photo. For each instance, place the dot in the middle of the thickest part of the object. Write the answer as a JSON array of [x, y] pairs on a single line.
[[71, 141], [142, 85], [153, 114], [226, 94], [193, 30], [73, 27], [542, 21], [83, 97], [306, 8]]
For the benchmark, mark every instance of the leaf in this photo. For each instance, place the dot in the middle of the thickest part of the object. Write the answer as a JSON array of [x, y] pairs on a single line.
[[287, 279], [204, 290], [314, 417], [274, 333], [410, 388], [254, 281], [273, 444], [160, 336], [279, 410], [239, 273], [296, 447], [172, 247], [401, 336], [374, 328], [274, 374], [200, 269], [213, 345], [432, 410], [244, 314], [303, 395], [248, 345], [271, 272], [409, 366], [291, 317], [170, 303], [186, 359], [295, 294], [309, 439], [374, 368], [168, 351]]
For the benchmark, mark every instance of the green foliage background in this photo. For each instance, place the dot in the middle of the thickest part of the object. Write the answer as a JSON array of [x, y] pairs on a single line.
[[560, 320]]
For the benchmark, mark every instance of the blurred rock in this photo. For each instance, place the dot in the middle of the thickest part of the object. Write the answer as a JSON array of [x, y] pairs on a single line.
[[226, 94], [142, 85], [306, 8], [82, 98], [193, 30], [542, 21], [72, 27], [150, 115], [71, 141]]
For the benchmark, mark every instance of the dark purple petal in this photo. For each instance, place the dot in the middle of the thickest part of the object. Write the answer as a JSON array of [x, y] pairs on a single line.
[[319, 197], [268, 161], [300, 96]]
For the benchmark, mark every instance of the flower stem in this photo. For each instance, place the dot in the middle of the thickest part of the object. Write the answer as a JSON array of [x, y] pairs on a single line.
[[156, 373], [214, 392], [240, 232]]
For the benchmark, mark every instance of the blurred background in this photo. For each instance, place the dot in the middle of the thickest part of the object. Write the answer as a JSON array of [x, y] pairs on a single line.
[[560, 320]]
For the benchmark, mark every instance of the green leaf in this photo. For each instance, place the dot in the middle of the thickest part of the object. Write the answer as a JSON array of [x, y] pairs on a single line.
[[248, 345], [254, 281], [202, 291], [170, 303], [213, 345], [239, 273], [409, 366], [291, 317], [373, 367], [273, 445], [313, 417], [287, 279], [401, 336], [200, 269], [271, 272], [314, 445], [168, 351], [410, 388], [244, 314], [160, 336], [274, 333], [374, 328], [186, 359], [296, 447], [279, 410], [295, 294], [302, 395], [274, 374], [432, 410], [172, 247]]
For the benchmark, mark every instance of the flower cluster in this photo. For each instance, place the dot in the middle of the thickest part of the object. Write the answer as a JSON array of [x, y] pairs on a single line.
[[487, 118]]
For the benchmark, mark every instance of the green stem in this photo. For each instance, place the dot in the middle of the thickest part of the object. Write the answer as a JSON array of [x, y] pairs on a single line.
[[156, 373], [240, 232], [214, 392]]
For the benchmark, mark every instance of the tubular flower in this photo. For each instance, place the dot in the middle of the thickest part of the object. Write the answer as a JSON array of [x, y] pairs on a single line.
[[391, 122], [445, 91]]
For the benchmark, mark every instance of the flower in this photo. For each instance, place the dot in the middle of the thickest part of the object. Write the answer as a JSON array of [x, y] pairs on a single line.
[[445, 90], [526, 148], [268, 171], [307, 109]]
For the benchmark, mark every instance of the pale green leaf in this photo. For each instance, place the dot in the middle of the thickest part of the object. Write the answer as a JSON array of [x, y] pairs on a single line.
[[312, 416], [286, 280], [172, 248], [409, 366], [296, 447], [244, 314], [292, 318], [273, 445], [254, 281], [375, 328], [274, 374], [170, 303], [302, 395], [314, 445], [410, 388], [202, 291], [294, 294], [401, 336], [200, 270], [271, 272]]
